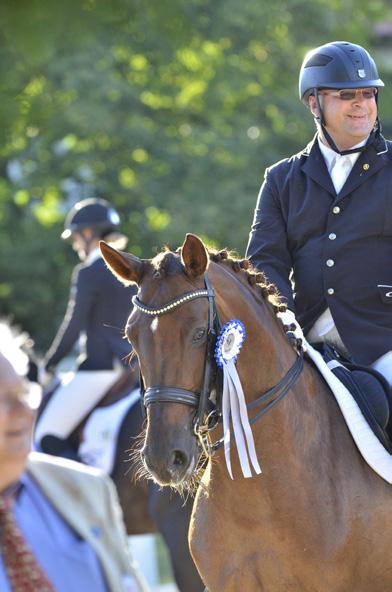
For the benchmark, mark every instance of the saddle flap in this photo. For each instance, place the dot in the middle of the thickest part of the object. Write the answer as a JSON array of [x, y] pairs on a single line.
[[374, 395], [370, 390]]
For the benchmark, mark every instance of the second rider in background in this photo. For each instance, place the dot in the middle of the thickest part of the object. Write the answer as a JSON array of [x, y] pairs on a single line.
[[96, 314]]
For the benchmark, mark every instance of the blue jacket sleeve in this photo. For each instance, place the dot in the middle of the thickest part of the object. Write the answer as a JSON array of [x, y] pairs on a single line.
[[268, 245], [75, 320]]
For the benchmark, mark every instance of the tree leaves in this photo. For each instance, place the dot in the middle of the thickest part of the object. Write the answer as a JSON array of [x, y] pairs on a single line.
[[170, 109]]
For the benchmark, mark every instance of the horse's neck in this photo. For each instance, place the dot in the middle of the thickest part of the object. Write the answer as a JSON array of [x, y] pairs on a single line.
[[267, 353], [266, 357]]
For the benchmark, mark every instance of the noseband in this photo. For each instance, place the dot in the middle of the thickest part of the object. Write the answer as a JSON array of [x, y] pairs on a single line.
[[202, 401], [168, 394]]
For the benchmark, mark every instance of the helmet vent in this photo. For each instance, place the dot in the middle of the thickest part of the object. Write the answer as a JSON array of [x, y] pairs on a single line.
[[319, 59]]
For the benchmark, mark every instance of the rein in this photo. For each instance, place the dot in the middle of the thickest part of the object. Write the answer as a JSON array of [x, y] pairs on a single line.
[[201, 400]]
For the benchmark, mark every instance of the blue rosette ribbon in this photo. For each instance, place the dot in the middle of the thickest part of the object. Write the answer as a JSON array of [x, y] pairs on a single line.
[[229, 342], [227, 349]]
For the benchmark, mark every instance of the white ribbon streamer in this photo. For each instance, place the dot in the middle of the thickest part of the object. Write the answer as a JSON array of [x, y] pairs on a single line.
[[233, 403]]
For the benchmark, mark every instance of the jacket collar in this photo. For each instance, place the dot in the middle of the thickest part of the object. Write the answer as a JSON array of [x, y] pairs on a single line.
[[315, 167], [93, 256], [368, 163], [331, 157]]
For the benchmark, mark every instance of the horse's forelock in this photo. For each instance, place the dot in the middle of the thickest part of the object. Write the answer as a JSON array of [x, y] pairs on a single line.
[[167, 263]]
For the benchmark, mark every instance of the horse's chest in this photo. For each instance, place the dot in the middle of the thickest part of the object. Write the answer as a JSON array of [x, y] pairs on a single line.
[[253, 555]]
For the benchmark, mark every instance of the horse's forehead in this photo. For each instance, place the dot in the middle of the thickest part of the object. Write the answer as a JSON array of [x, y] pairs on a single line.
[[166, 261], [164, 276]]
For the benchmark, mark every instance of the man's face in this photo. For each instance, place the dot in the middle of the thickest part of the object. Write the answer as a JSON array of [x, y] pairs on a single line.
[[348, 122], [16, 421]]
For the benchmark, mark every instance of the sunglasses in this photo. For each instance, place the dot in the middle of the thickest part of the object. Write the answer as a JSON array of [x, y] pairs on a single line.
[[349, 94]]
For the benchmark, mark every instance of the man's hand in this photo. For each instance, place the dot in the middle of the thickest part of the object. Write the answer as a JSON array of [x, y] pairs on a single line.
[[45, 376], [292, 326]]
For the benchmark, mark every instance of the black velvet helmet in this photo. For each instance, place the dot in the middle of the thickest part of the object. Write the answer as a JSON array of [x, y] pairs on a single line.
[[94, 213], [337, 65]]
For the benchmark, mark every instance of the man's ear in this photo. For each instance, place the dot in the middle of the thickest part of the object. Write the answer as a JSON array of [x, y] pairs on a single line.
[[312, 104]]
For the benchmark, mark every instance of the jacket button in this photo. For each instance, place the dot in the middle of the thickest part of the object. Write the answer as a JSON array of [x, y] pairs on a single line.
[[336, 210], [331, 291], [332, 236], [330, 262]]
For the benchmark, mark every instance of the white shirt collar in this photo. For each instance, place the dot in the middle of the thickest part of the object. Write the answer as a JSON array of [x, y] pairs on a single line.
[[93, 256], [331, 157]]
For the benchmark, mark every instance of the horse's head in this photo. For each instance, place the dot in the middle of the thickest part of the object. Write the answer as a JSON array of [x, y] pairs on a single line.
[[169, 330], [173, 329]]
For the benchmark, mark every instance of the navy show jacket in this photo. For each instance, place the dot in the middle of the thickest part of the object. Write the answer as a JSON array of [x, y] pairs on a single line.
[[337, 247], [97, 310]]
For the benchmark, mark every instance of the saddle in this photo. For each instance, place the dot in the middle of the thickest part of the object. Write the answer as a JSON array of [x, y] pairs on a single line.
[[369, 389]]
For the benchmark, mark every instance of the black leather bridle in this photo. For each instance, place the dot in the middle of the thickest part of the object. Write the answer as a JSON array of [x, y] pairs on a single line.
[[207, 415], [164, 394]]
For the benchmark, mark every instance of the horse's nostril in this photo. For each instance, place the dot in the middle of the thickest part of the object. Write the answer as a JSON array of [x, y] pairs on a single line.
[[179, 458]]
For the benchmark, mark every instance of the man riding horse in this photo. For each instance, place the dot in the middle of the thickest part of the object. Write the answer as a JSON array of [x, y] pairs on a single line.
[[325, 214]]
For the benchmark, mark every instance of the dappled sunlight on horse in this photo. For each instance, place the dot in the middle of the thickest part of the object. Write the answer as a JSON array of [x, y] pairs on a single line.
[[317, 517]]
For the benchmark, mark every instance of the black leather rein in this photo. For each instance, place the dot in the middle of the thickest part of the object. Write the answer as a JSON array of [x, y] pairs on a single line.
[[201, 401]]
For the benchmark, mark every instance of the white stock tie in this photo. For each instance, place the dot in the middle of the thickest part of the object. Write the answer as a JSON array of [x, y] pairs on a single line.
[[340, 171]]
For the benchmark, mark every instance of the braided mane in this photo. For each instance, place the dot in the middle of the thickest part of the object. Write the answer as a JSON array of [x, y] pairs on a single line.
[[168, 262], [255, 279]]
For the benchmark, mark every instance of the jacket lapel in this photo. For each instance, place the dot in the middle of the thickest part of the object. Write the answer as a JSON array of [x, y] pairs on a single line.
[[82, 517], [315, 167], [367, 165]]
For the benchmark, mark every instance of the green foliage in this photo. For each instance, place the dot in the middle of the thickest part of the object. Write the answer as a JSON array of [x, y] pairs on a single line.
[[170, 109]]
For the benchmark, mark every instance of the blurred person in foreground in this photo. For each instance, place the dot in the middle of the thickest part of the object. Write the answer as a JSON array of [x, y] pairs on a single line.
[[325, 214], [61, 526], [96, 315]]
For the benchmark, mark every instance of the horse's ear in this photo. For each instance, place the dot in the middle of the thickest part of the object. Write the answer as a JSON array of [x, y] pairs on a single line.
[[126, 267], [194, 256]]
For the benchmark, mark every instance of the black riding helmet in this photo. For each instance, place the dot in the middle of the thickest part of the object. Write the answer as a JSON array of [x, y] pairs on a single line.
[[94, 213], [339, 64]]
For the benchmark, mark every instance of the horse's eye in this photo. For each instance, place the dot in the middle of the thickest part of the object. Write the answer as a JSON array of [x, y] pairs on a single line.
[[198, 335]]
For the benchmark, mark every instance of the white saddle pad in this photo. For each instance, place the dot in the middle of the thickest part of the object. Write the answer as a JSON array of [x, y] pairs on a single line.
[[367, 443], [100, 433]]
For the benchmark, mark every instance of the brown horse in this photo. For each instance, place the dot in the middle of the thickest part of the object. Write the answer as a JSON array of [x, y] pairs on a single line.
[[316, 519]]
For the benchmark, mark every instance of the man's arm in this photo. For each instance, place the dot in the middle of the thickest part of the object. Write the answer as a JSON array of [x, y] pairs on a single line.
[[268, 242], [75, 319]]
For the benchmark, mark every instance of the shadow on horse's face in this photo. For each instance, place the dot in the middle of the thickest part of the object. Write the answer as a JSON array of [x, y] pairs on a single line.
[[171, 450]]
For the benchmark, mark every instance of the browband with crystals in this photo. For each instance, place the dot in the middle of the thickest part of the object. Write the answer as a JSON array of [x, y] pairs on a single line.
[[151, 310]]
